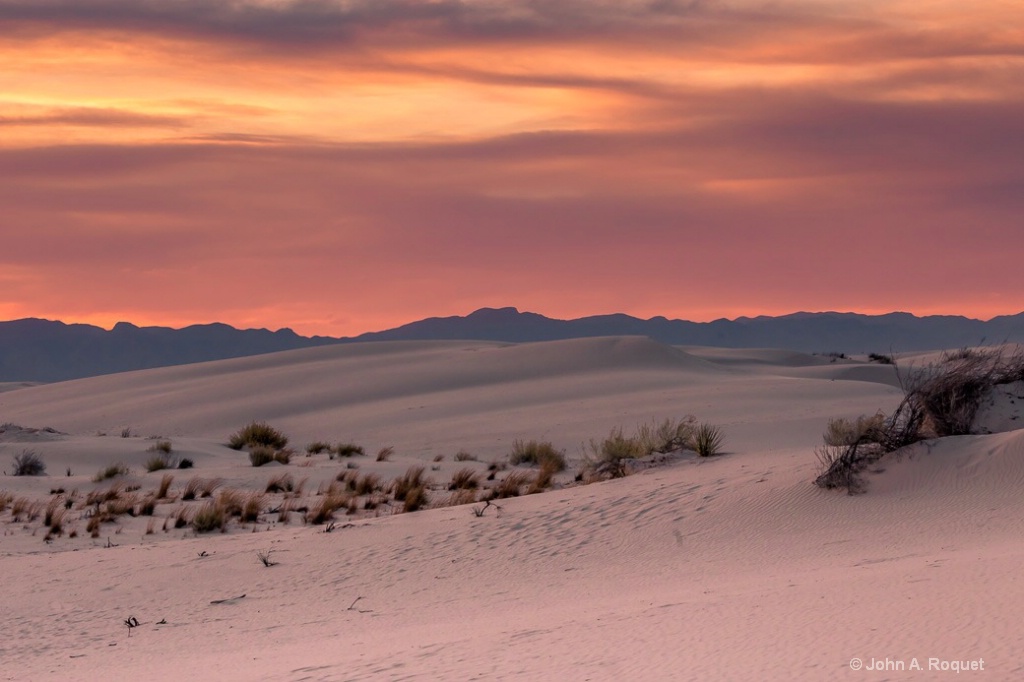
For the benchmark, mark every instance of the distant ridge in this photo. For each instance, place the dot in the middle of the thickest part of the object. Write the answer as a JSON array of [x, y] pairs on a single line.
[[810, 332], [36, 350], [45, 351]]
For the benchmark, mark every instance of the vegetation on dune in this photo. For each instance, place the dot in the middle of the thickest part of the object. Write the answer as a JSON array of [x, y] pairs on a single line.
[[940, 399]]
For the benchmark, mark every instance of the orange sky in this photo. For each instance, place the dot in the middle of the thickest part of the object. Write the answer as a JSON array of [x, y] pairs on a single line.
[[341, 167]]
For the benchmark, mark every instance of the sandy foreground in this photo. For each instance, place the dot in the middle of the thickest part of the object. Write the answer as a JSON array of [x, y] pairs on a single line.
[[734, 567]]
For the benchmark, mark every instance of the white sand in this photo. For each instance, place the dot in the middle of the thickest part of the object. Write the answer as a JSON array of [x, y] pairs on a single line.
[[734, 567]]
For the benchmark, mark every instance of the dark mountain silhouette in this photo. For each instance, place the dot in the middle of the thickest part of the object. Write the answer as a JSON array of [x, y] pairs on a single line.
[[811, 332], [40, 350]]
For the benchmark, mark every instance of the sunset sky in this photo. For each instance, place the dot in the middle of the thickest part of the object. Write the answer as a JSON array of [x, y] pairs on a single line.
[[345, 166]]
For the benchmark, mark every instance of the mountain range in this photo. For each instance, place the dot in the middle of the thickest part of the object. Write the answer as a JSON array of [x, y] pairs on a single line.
[[34, 350]]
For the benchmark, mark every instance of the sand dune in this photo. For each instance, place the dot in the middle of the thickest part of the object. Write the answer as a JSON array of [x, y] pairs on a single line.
[[734, 567]]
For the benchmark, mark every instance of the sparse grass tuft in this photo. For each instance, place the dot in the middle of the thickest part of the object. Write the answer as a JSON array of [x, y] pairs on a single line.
[[463, 456], [260, 455], [384, 454], [255, 434], [368, 484], [28, 463]]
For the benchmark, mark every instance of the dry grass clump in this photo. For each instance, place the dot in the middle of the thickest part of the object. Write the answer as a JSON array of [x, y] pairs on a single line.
[[28, 463], [415, 499], [385, 453], [368, 484], [840, 431], [147, 506], [459, 497], [200, 487], [281, 483], [24, 509], [163, 446], [323, 510], [610, 456], [666, 436], [210, 517], [402, 486], [463, 456], [53, 517], [348, 450], [5, 499], [257, 434], [161, 461], [260, 455], [511, 485], [165, 486], [97, 497], [539, 453], [111, 471], [317, 447], [464, 479], [543, 481]]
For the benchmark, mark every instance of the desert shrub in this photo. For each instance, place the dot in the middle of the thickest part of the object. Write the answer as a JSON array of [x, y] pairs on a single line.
[[348, 450], [463, 456], [881, 359], [281, 483], [163, 446], [464, 479], [539, 453], [161, 461], [284, 456], [126, 433], [415, 499], [28, 463], [384, 454], [412, 478], [260, 455], [611, 455], [950, 393], [707, 440], [256, 434], [111, 471], [666, 436], [185, 463], [318, 447], [208, 518]]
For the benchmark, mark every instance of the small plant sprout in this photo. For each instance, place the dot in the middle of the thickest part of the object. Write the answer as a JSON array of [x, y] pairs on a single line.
[[264, 557]]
